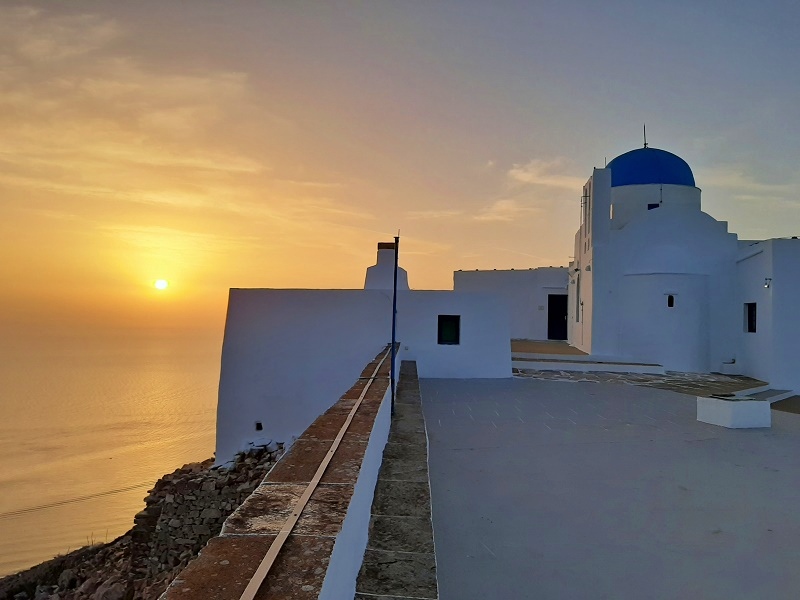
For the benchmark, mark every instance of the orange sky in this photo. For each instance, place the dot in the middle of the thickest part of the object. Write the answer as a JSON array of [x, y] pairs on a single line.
[[274, 146]]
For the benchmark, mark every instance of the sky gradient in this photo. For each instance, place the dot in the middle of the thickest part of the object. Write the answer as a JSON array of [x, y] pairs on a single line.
[[273, 144]]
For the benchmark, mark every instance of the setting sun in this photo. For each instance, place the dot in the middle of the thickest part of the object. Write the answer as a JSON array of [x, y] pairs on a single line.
[[161, 284]]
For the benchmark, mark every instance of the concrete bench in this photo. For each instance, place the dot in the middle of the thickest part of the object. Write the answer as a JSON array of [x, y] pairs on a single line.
[[734, 412]]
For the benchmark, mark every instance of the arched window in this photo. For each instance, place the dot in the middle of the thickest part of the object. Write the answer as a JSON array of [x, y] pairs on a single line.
[[671, 301]]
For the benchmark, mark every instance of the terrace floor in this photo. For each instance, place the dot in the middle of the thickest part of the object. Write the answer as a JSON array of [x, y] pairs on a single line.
[[583, 489], [545, 347]]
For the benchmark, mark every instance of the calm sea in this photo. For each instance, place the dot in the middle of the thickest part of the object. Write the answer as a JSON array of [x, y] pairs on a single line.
[[87, 426]]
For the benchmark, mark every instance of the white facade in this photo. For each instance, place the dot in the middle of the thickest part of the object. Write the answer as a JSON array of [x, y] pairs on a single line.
[[533, 314], [768, 277], [656, 280]]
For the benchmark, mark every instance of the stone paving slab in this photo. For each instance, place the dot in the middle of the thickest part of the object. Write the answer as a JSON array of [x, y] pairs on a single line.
[[409, 574], [343, 468], [271, 504], [403, 534]]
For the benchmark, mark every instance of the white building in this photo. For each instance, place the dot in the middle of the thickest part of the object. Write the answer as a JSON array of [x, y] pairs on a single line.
[[288, 354], [654, 280]]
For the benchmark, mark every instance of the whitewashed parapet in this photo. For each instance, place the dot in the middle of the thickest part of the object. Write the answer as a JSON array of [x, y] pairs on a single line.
[[734, 412]]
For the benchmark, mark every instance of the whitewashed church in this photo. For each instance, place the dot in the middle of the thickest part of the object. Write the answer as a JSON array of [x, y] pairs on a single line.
[[654, 281], [657, 280]]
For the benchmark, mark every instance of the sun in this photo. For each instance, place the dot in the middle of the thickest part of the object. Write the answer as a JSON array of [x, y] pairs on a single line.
[[161, 284]]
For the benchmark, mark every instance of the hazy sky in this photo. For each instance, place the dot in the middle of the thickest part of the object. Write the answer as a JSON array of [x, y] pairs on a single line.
[[273, 144]]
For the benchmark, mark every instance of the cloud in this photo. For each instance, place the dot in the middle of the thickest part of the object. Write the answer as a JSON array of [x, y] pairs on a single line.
[[434, 214], [113, 127], [507, 209], [34, 35], [736, 179], [546, 173]]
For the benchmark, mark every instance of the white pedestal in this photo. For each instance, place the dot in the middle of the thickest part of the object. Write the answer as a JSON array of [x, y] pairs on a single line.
[[734, 414]]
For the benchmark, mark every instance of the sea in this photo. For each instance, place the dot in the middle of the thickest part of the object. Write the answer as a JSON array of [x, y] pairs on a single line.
[[87, 425]]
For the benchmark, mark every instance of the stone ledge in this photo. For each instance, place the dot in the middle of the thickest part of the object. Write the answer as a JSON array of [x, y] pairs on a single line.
[[227, 563]]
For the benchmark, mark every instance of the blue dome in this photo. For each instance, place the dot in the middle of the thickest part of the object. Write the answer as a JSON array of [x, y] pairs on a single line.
[[649, 165]]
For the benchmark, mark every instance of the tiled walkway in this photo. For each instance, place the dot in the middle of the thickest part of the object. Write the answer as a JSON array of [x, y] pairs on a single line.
[[553, 489]]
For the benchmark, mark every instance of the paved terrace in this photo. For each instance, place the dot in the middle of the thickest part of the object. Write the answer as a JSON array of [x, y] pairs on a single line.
[[546, 486]]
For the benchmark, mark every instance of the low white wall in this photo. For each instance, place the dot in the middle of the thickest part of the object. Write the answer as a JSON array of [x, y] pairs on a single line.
[[351, 542], [288, 355]]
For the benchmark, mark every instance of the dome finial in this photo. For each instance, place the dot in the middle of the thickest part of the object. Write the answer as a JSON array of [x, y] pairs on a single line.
[[644, 129]]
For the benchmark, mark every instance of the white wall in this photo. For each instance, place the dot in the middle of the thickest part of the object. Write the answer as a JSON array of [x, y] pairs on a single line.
[[524, 293], [785, 288], [591, 268], [287, 355], [674, 247], [632, 200], [485, 346], [755, 351], [676, 337]]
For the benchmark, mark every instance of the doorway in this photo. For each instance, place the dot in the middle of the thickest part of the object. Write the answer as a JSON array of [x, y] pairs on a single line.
[[557, 316]]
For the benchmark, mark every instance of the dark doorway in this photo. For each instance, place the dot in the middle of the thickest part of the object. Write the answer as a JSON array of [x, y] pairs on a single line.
[[556, 316]]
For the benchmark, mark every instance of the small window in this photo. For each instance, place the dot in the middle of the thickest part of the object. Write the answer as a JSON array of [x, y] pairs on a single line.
[[750, 317], [671, 301], [259, 426], [449, 329], [652, 206]]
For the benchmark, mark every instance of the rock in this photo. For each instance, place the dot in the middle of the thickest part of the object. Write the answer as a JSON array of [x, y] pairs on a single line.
[[210, 513], [113, 589], [68, 579], [87, 588], [43, 592], [21, 596]]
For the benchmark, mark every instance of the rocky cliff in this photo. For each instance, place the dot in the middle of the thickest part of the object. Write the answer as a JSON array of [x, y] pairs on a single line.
[[182, 512]]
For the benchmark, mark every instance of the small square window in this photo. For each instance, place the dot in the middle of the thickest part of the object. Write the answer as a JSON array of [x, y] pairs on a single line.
[[652, 206], [750, 317], [449, 331]]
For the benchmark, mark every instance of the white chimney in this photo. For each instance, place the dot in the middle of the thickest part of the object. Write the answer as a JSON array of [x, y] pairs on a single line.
[[380, 276]]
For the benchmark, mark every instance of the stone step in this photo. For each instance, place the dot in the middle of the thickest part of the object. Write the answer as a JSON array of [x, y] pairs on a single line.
[[584, 366], [772, 395]]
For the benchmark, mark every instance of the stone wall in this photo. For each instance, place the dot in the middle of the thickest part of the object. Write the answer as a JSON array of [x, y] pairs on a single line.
[[182, 512], [187, 508]]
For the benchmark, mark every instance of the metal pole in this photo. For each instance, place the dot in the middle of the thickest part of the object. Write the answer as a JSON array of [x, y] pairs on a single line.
[[394, 316]]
